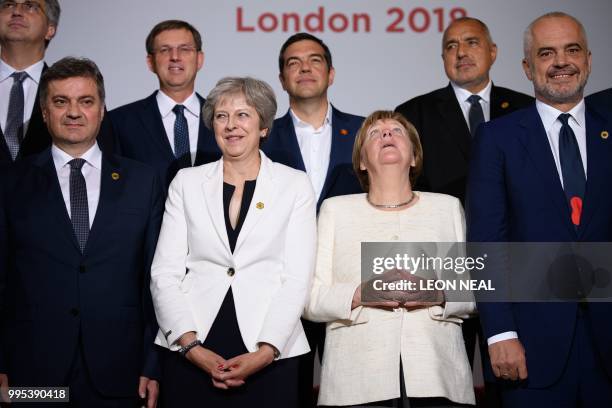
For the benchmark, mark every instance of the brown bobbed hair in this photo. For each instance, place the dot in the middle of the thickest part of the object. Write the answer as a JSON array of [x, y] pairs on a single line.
[[413, 136]]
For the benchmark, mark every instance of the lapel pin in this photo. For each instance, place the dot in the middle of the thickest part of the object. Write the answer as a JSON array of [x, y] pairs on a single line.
[[343, 132], [259, 205], [115, 176], [505, 105], [604, 134]]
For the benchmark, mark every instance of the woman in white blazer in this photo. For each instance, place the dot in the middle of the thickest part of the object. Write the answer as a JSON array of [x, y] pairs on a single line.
[[233, 264], [387, 352]]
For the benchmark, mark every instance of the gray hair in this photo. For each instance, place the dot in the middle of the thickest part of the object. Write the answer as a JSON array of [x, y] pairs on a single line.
[[257, 93], [481, 23], [52, 11], [528, 34]]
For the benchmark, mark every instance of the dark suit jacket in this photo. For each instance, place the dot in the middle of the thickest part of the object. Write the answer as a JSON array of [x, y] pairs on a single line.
[[601, 100], [446, 138], [139, 133], [54, 294], [515, 195], [282, 146], [37, 137]]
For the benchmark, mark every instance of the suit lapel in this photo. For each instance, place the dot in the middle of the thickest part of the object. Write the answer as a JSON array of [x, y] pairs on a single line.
[[55, 200], [152, 122], [111, 186], [499, 105], [536, 143], [288, 139], [341, 150], [207, 150], [597, 160], [265, 193], [212, 190], [452, 117]]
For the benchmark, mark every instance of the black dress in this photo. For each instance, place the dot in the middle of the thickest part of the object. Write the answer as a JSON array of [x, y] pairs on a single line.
[[185, 385]]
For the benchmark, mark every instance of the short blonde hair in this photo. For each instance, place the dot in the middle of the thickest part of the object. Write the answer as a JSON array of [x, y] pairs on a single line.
[[413, 136]]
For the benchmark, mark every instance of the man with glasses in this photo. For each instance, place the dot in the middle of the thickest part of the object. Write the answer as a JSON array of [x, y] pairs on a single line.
[[165, 130], [26, 27]]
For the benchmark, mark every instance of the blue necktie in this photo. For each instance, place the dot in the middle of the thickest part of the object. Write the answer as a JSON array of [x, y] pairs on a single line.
[[14, 118], [79, 207], [476, 115], [572, 170], [181, 135]]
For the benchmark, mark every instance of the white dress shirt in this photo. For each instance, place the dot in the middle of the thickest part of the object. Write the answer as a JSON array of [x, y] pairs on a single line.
[[92, 172], [30, 88], [552, 126], [192, 114], [462, 96], [315, 146]]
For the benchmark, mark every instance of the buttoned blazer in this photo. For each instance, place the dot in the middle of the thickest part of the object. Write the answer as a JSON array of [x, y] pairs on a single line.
[[515, 195], [363, 346], [282, 147], [446, 138], [269, 271], [56, 297], [138, 131]]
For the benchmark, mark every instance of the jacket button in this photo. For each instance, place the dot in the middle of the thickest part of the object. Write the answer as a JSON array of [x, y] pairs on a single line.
[[231, 271], [82, 268], [74, 311]]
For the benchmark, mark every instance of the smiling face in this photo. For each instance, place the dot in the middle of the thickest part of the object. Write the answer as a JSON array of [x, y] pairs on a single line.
[[468, 55], [305, 73], [386, 144], [73, 112], [237, 128], [175, 61], [558, 62]]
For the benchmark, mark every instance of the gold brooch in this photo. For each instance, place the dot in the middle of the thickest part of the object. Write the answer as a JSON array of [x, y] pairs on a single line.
[[505, 105], [115, 176], [604, 134], [259, 205], [343, 132]]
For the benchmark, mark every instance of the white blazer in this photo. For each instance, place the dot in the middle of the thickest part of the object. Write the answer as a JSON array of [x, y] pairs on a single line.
[[269, 272], [363, 346]]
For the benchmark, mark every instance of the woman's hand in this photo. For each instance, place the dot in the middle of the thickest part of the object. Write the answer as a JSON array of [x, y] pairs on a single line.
[[242, 366]]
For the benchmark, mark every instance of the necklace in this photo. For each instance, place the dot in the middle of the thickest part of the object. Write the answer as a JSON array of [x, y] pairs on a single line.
[[391, 205]]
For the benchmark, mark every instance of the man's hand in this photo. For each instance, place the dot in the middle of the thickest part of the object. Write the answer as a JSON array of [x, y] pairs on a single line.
[[148, 389], [4, 385], [508, 360]]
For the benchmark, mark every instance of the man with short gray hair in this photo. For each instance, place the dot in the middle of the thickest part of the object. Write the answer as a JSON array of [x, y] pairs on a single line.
[[542, 174], [26, 28]]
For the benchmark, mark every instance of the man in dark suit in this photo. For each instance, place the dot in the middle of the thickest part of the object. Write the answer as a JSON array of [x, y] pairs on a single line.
[[542, 174], [317, 138], [25, 32], [165, 130], [78, 230], [444, 118], [601, 100]]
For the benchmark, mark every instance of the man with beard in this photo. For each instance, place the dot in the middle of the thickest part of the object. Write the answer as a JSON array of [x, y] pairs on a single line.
[[542, 175]]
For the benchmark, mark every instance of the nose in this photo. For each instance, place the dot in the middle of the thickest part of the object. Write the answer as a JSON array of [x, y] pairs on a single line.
[[305, 66], [560, 59], [461, 50], [231, 123], [387, 133], [73, 111]]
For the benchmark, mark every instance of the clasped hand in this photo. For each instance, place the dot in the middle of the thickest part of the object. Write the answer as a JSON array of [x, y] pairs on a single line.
[[226, 374], [396, 288]]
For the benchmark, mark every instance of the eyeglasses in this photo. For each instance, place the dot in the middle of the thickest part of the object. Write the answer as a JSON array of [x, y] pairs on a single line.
[[31, 7], [181, 50]]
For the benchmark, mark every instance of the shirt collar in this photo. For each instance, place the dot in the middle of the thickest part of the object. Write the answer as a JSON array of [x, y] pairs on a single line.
[[166, 104], [549, 115], [93, 157], [463, 94], [34, 71], [299, 123]]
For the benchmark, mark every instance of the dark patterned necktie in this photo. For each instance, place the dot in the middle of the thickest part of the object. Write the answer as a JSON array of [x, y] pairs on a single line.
[[14, 119], [79, 207], [476, 115], [572, 170], [181, 134]]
